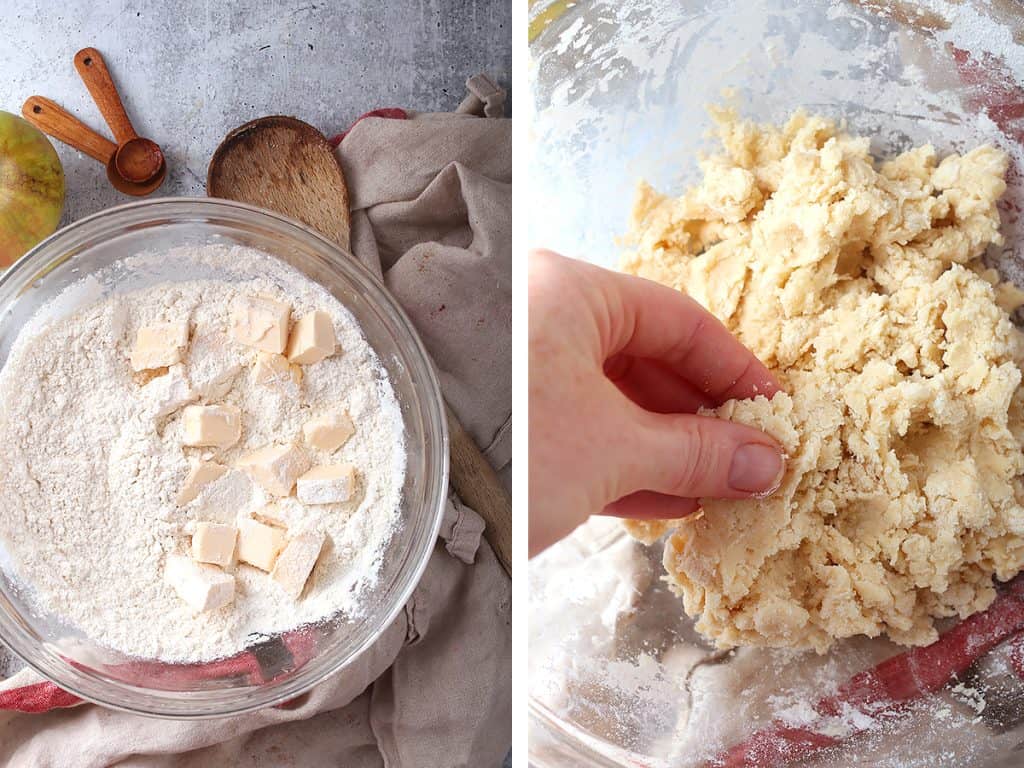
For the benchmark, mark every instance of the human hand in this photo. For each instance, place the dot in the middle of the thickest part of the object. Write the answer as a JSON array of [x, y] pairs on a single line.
[[618, 368]]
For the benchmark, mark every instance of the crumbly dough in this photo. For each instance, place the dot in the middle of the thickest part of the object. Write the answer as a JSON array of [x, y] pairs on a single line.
[[859, 285]]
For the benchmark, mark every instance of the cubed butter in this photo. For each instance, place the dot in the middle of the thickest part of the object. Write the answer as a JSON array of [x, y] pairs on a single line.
[[214, 543], [201, 473], [203, 587], [159, 345], [166, 394], [218, 426], [296, 562], [274, 371], [261, 322], [327, 484], [276, 467], [259, 544], [330, 432], [312, 339]]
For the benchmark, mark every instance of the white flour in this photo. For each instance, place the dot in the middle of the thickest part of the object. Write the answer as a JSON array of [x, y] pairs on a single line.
[[87, 510]]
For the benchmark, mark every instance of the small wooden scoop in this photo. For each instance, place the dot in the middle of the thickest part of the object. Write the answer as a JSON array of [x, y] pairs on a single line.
[[288, 166], [55, 121], [137, 160]]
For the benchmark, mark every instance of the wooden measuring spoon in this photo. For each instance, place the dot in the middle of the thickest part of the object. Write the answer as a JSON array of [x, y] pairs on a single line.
[[137, 160], [52, 119], [287, 166]]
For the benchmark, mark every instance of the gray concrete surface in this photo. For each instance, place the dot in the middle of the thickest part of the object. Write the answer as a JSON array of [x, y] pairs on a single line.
[[191, 70]]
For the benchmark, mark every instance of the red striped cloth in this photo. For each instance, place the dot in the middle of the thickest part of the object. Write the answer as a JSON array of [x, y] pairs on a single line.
[[889, 686], [38, 697], [294, 649]]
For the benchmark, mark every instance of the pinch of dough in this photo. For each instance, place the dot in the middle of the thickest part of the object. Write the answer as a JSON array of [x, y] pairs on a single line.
[[857, 283]]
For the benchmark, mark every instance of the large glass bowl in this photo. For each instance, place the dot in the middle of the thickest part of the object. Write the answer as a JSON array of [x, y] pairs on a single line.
[[619, 90], [281, 667]]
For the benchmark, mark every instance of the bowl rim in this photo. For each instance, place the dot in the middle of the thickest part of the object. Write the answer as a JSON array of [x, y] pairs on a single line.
[[432, 409], [542, 721]]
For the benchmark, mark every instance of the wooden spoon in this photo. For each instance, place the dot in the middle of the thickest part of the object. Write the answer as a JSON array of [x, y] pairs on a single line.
[[52, 119], [287, 166], [137, 160]]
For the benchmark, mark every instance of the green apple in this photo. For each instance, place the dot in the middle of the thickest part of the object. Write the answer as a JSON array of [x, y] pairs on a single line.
[[31, 187]]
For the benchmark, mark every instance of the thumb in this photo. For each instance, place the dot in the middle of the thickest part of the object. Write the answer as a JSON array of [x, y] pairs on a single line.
[[701, 456]]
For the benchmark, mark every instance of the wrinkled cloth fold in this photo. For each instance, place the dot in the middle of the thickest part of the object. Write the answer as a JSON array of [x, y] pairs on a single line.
[[431, 198], [437, 226]]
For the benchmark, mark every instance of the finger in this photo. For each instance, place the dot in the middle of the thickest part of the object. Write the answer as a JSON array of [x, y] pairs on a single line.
[[649, 320], [697, 456], [654, 387], [647, 505]]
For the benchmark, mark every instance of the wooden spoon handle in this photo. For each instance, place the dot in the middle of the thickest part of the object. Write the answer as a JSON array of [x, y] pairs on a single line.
[[479, 487], [94, 73], [54, 120]]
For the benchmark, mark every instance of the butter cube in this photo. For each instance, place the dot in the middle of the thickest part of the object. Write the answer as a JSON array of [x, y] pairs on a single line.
[[261, 322], [166, 394], [201, 474], [274, 371], [214, 543], [203, 587], [327, 484], [259, 544], [312, 339], [219, 426], [296, 562], [330, 432], [159, 345], [275, 467]]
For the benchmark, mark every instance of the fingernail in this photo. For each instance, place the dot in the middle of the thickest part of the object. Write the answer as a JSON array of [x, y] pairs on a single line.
[[755, 468]]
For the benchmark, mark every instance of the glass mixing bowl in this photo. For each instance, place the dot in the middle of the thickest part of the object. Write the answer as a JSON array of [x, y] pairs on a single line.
[[278, 667], [619, 92]]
